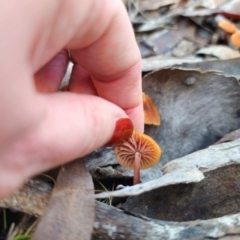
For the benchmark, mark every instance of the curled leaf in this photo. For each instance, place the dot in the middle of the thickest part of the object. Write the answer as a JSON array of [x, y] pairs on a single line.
[[151, 115]]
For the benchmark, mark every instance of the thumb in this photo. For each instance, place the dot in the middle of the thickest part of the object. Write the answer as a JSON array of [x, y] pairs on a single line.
[[77, 124], [73, 126]]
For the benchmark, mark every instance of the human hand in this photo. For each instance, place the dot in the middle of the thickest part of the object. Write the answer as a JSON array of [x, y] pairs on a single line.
[[42, 130]]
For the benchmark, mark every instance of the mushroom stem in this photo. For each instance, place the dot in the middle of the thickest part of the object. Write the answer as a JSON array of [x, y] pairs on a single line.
[[136, 166]]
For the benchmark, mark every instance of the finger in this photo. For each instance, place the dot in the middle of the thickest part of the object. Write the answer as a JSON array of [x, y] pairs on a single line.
[[85, 121], [48, 79], [80, 81], [124, 92], [114, 63], [101, 50], [73, 126]]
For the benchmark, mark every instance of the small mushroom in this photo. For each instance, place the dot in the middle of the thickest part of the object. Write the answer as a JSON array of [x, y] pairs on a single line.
[[138, 152], [151, 115], [227, 26], [235, 39]]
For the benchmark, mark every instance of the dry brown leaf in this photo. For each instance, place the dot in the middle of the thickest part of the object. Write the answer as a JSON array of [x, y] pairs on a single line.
[[184, 49], [133, 227], [155, 42], [209, 4], [154, 4], [32, 198], [220, 51], [158, 62], [151, 115], [71, 208], [229, 137], [215, 196], [229, 68], [231, 7]]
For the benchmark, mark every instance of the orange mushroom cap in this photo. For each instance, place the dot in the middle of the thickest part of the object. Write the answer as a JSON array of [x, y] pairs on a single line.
[[151, 115], [139, 142], [235, 39], [227, 26]]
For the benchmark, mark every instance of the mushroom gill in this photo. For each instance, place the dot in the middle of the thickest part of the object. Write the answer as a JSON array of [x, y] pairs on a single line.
[[138, 152]]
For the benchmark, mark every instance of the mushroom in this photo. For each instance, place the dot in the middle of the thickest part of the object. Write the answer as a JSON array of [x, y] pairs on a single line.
[[151, 115], [227, 26], [235, 39], [138, 152]]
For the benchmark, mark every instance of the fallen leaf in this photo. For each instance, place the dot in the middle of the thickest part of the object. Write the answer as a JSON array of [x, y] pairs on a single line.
[[155, 42], [71, 208], [184, 48], [151, 115], [209, 4], [231, 7], [168, 179], [134, 226], [207, 159], [201, 12], [228, 68], [219, 51], [32, 198], [146, 5], [215, 196], [229, 137], [158, 62]]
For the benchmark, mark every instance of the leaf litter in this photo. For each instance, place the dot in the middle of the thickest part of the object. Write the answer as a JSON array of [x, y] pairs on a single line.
[[195, 89]]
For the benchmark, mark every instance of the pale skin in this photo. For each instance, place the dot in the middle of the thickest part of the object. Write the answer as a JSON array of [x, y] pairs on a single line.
[[42, 130]]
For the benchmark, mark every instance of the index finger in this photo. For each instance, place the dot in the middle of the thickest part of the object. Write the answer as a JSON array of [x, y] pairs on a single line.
[[114, 61]]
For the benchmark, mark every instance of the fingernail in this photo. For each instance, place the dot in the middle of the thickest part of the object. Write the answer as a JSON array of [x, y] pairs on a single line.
[[123, 130]]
